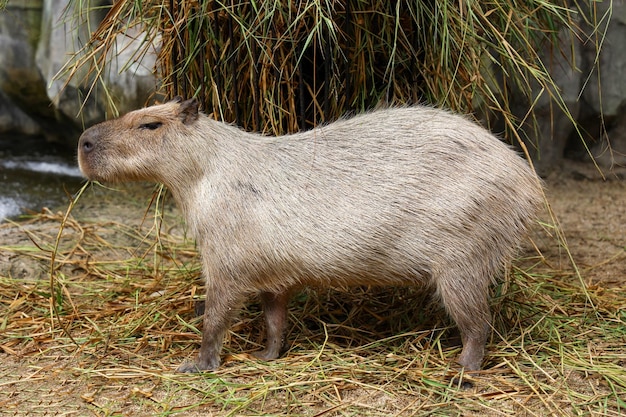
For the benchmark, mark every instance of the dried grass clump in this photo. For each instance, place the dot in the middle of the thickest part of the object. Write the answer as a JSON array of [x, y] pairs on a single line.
[[281, 66], [108, 328]]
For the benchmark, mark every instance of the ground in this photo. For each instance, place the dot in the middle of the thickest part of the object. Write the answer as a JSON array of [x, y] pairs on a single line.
[[119, 358], [592, 214]]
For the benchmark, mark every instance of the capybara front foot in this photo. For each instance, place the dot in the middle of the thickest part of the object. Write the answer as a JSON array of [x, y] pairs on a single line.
[[197, 366]]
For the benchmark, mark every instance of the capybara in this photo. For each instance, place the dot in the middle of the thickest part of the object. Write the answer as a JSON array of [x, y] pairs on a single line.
[[400, 196]]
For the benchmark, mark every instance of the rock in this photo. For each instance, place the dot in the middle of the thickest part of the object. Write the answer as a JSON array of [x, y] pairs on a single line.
[[130, 82], [64, 25], [548, 133], [14, 120], [37, 39], [610, 152], [603, 101], [596, 105], [608, 95], [23, 89], [131, 69]]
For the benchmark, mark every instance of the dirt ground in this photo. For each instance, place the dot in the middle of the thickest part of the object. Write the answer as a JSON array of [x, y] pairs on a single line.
[[591, 212]]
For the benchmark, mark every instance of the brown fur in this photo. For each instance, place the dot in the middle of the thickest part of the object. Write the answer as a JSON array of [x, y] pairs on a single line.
[[402, 196]]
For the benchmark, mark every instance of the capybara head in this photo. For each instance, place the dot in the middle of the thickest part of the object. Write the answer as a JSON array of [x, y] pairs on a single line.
[[142, 145]]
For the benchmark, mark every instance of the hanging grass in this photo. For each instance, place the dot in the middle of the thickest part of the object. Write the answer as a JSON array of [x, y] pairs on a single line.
[[279, 67]]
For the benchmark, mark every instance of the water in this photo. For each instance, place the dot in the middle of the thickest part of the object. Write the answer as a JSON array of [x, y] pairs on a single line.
[[35, 174]]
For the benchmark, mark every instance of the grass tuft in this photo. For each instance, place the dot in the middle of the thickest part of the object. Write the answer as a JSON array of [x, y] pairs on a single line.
[[279, 67]]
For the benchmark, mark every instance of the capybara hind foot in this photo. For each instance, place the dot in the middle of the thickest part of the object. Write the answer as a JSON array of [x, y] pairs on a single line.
[[266, 354], [275, 309]]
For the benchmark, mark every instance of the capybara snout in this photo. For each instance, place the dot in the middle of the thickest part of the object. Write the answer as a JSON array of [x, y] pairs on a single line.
[[400, 196]]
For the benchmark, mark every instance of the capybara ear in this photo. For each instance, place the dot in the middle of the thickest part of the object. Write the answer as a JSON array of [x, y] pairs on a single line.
[[188, 111], [176, 99]]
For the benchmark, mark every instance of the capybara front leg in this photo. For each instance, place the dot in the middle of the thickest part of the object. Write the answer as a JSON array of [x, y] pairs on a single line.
[[218, 308], [275, 309]]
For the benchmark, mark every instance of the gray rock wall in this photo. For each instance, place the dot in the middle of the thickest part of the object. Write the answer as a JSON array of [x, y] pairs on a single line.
[[548, 131], [606, 94], [593, 92], [37, 39], [23, 89]]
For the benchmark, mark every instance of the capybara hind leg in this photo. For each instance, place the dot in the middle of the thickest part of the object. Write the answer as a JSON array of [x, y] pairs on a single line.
[[473, 349], [218, 308], [466, 303], [275, 309]]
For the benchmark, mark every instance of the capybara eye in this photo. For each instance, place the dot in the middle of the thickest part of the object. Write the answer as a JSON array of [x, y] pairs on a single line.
[[150, 126]]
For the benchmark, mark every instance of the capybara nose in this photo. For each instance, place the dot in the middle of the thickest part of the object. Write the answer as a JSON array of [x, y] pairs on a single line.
[[86, 143]]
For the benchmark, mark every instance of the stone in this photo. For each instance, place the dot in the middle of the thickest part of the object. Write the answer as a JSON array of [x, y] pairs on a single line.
[[549, 131], [23, 88]]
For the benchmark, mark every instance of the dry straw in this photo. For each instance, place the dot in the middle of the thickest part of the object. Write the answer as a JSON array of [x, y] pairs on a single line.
[[123, 319]]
